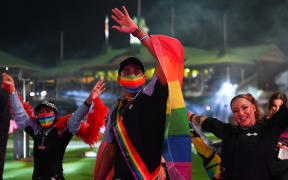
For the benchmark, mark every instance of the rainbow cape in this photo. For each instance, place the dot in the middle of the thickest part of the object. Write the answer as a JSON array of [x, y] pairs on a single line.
[[177, 144]]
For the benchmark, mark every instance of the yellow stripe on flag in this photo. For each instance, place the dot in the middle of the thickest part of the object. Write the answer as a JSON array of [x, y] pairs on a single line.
[[175, 94]]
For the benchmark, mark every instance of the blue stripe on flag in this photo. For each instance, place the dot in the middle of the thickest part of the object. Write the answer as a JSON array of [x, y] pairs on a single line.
[[180, 148]]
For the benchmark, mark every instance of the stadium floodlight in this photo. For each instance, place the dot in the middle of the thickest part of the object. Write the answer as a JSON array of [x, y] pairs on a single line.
[[43, 93], [228, 88]]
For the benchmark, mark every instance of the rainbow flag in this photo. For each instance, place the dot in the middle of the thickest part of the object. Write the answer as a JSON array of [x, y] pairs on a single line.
[[177, 144], [204, 147], [210, 159]]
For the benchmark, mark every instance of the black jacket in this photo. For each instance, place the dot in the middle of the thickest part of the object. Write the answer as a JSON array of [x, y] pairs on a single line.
[[248, 153], [4, 126]]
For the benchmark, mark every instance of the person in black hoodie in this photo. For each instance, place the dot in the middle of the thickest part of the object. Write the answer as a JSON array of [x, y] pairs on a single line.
[[280, 164], [51, 133], [248, 147]]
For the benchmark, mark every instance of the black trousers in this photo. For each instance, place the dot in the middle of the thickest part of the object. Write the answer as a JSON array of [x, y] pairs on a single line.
[[3, 147], [4, 127], [279, 170]]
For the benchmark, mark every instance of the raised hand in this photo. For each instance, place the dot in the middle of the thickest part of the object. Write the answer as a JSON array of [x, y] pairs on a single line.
[[96, 91], [126, 24], [8, 83]]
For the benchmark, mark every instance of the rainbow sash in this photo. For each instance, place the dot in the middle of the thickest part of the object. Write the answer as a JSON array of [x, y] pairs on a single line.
[[131, 157], [177, 144]]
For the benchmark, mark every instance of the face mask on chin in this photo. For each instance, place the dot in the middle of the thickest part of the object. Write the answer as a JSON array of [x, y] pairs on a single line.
[[132, 83], [46, 119]]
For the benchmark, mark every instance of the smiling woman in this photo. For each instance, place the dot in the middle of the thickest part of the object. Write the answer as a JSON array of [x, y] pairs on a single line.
[[245, 110], [248, 146]]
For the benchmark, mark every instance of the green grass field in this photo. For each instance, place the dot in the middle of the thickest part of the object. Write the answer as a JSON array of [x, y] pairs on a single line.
[[75, 166]]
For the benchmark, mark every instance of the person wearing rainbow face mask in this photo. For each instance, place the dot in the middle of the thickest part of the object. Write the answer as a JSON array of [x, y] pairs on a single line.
[[144, 125], [134, 132], [51, 134], [143, 111]]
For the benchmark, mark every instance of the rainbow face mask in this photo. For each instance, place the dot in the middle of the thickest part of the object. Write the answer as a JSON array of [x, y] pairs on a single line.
[[46, 119], [132, 83]]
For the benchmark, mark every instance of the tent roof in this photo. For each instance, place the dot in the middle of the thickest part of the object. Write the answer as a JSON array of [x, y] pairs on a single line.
[[13, 61], [110, 58], [243, 55]]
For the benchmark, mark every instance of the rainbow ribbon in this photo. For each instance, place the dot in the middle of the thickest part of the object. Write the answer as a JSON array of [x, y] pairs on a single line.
[[132, 158]]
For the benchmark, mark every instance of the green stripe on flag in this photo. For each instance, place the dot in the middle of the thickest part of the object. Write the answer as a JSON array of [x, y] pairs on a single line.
[[178, 122]]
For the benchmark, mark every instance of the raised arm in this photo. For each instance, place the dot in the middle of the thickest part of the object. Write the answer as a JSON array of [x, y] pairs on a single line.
[[127, 25], [21, 117], [218, 128], [79, 114]]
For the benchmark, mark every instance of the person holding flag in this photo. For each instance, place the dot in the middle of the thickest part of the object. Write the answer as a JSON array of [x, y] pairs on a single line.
[[148, 121]]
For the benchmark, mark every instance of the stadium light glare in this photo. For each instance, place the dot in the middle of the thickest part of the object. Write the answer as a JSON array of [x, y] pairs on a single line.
[[43, 93], [32, 94]]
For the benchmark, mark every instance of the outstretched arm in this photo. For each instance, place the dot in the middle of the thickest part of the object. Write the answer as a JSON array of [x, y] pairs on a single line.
[[21, 117], [96, 91], [78, 115], [8, 83], [127, 25]]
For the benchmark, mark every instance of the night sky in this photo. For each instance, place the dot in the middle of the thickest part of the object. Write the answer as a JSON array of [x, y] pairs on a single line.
[[31, 29]]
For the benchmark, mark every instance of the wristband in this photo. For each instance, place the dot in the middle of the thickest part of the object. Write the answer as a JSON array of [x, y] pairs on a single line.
[[144, 37], [198, 119], [191, 116], [139, 33]]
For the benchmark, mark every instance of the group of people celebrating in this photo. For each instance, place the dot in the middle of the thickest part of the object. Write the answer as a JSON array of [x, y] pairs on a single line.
[[138, 124]]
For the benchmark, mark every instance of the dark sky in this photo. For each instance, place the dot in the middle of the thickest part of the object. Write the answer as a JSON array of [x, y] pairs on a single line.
[[31, 29]]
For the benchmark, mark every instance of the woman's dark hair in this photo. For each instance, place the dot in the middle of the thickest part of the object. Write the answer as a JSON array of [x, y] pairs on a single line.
[[277, 95]]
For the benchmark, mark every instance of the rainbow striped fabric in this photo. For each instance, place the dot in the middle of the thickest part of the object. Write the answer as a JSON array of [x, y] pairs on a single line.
[[46, 119], [132, 83], [211, 160], [177, 144], [204, 147], [132, 158]]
